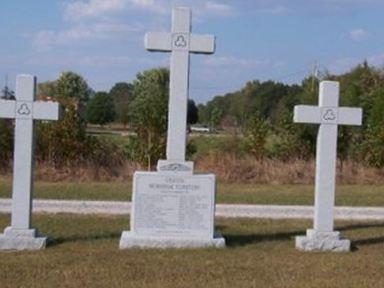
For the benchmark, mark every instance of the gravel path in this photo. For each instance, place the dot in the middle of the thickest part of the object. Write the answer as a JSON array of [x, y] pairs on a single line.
[[222, 210]]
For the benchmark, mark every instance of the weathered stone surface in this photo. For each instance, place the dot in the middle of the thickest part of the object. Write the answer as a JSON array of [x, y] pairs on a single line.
[[175, 166], [173, 205], [131, 240], [25, 110], [323, 242], [180, 42], [329, 115], [21, 239], [172, 210]]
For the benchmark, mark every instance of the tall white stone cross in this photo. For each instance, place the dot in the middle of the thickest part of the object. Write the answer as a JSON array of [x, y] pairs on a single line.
[[329, 116], [180, 42], [172, 207], [24, 110]]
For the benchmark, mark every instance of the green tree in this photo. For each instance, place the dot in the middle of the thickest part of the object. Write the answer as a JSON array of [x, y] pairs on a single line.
[[373, 146], [216, 116], [122, 96], [47, 90], [64, 142], [148, 113], [193, 113], [100, 109], [288, 142], [6, 143], [72, 88], [203, 114], [256, 132]]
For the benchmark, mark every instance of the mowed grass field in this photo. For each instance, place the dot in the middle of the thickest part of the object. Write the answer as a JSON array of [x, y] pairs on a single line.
[[346, 195], [260, 253]]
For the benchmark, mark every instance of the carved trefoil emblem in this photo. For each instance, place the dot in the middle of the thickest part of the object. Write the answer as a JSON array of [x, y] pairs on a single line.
[[329, 115], [180, 41], [24, 110]]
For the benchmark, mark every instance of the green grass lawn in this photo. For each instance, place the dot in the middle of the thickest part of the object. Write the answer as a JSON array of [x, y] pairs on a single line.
[[346, 195], [260, 253]]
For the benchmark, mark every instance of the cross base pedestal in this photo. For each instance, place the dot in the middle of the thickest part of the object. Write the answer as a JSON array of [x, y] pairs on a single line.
[[175, 166], [130, 240], [22, 239], [323, 242]]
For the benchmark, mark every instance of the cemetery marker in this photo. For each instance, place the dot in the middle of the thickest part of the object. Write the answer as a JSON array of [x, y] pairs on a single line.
[[172, 207], [329, 115], [181, 42], [24, 110]]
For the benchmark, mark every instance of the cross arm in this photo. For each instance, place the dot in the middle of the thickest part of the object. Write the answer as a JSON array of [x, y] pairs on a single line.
[[307, 114], [350, 116], [202, 44], [7, 109], [158, 41], [46, 110]]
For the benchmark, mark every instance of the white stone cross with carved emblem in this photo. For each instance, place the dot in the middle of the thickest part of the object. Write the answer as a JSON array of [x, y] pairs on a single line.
[[180, 42], [329, 115], [24, 110]]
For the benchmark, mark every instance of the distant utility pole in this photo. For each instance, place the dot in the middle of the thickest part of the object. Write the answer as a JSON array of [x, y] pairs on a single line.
[[315, 74], [6, 92]]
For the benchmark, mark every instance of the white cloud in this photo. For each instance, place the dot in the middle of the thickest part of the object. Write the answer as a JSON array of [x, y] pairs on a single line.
[[93, 8], [143, 3], [154, 6], [377, 60], [276, 10], [88, 20], [82, 10], [218, 8], [344, 64], [89, 61], [349, 1], [358, 34], [229, 61], [46, 39]]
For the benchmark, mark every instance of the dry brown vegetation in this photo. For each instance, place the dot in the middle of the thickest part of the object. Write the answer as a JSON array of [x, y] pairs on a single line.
[[228, 169], [122, 172]]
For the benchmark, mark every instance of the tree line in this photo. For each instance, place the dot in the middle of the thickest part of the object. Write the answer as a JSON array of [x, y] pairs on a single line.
[[263, 112], [260, 115]]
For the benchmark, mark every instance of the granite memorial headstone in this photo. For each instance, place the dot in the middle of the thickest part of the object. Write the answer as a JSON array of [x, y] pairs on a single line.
[[174, 207]]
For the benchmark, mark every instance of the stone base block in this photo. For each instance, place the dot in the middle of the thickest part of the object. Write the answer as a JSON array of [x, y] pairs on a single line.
[[323, 242], [21, 239], [168, 166], [130, 240]]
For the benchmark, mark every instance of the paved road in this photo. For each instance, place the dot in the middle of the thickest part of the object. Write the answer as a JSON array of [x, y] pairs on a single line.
[[222, 210]]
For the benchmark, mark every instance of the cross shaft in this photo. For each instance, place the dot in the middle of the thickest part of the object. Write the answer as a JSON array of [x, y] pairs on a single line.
[[180, 43], [25, 111], [329, 116]]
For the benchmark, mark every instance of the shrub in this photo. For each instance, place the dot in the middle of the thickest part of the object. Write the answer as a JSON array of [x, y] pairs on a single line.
[[6, 143], [66, 144], [148, 114], [373, 147], [101, 109], [256, 132]]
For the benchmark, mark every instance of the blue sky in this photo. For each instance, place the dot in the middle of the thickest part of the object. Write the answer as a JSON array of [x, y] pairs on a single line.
[[256, 39]]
